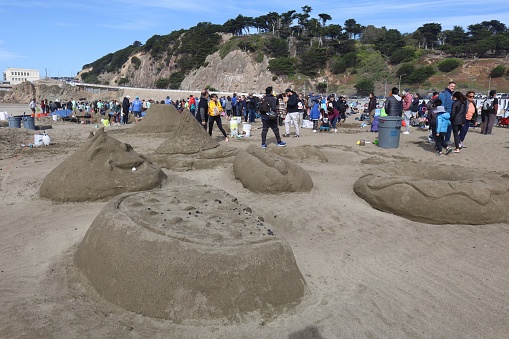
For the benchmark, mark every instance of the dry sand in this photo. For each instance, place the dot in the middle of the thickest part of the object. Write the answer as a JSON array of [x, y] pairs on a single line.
[[369, 273]]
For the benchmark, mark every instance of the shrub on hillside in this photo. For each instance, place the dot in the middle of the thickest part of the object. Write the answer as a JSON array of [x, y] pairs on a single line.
[[401, 55], [364, 86], [162, 83], [449, 64], [406, 69], [282, 66], [497, 72], [421, 74]]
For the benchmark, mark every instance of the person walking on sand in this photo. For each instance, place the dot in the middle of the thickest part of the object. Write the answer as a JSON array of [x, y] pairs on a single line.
[[471, 117], [489, 113], [202, 115], [33, 106], [407, 109], [269, 104], [215, 111], [443, 123], [372, 107], [125, 109], [292, 107], [458, 117]]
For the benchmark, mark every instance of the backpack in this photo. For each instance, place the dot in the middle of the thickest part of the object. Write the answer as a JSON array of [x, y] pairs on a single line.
[[487, 105], [265, 107], [374, 125]]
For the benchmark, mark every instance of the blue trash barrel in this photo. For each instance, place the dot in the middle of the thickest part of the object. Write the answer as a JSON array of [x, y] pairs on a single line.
[[15, 122], [389, 129], [28, 122]]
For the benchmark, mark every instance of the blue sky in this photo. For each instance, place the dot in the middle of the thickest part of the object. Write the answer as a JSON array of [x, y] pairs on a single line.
[[60, 36]]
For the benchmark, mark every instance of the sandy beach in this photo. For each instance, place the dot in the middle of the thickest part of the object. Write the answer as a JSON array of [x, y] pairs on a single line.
[[369, 274]]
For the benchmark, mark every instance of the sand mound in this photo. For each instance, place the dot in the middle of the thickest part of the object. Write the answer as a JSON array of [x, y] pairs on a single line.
[[302, 153], [436, 194], [266, 172], [159, 119], [100, 168], [192, 253], [189, 138]]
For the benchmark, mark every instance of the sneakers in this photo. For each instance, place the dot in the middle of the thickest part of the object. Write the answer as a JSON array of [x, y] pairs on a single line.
[[449, 150], [335, 130], [280, 144], [314, 131], [296, 136], [439, 153], [264, 146], [406, 132], [286, 135]]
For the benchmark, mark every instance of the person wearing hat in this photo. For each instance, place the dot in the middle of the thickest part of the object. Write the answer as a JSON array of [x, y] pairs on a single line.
[[125, 109], [269, 104], [443, 124], [292, 106], [136, 108]]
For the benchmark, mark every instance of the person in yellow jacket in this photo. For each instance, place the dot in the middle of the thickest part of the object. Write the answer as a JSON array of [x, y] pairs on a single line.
[[215, 110]]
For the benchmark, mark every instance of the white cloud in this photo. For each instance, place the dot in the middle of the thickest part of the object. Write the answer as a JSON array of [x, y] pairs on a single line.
[[136, 25], [7, 55]]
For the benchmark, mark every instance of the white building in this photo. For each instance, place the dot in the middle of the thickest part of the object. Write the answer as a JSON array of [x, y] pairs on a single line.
[[18, 75]]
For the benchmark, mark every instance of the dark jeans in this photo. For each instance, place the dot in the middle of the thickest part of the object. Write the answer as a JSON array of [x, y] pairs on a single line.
[[217, 119], [433, 126], [266, 123], [440, 139], [455, 132], [334, 122], [448, 134], [251, 114], [464, 130], [315, 124]]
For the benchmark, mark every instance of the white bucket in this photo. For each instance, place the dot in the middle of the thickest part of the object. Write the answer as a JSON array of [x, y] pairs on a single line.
[[4, 115], [234, 127], [38, 140], [55, 117], [46, 140], [247, 129]]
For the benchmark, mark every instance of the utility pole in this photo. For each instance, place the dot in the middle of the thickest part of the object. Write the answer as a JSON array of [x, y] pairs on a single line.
[[399, 86]]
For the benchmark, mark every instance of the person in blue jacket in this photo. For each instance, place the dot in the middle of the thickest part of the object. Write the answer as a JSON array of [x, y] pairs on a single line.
[[446, 97], [443, 124], [314, 113], [136, 108]]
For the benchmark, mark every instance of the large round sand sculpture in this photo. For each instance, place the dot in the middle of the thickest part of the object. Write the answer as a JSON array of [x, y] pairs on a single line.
[[192, 253], [160, 118], [266, 172], [436, 194], [101, 168]]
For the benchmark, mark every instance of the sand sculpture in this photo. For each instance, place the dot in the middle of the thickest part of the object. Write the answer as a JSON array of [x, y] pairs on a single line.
[[102, 167], [300, 153], [189, 138], [436, 194], [160, 118], [266, 172], [192, 253]]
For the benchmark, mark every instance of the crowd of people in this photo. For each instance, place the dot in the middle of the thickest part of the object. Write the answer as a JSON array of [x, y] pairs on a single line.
[[446, 114]]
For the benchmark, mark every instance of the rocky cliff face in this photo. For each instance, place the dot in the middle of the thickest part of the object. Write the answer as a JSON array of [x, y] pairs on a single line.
[[237, 72], [43, 89]]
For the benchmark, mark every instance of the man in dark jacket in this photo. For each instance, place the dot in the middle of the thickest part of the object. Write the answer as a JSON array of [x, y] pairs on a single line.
[[371, 107], [203, 109], [125, 109], [271, 100], [292, 106], [393, 104]]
